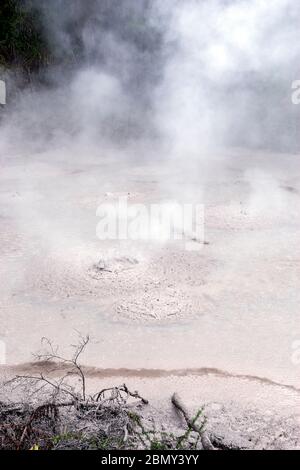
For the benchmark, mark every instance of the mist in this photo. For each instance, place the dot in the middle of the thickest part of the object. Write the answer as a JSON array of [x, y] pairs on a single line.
[[184, 77], [156, 103]]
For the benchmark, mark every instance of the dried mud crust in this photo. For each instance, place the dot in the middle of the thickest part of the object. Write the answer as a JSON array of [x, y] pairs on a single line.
[[158, 305], [166, 286], [114, 265]]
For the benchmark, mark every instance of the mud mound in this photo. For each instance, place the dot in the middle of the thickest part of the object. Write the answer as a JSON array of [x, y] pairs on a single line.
[[113, 265], [158, 305]]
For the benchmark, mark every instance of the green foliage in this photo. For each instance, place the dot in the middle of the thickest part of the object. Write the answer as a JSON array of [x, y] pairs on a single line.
[[158, 445], [185, 437], [158, 440], [22, 43], [67, 436]]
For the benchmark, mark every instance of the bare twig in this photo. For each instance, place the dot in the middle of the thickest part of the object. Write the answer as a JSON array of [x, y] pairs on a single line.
[[73, 362], [57, 387], [116, 394], [125, 433]]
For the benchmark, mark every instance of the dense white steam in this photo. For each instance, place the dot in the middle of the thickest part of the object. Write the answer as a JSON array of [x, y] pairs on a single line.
[[228, 74], [196, 74]]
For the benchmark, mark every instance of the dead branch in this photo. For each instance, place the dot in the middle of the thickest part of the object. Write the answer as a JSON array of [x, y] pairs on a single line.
[[206, 443], [73, 362], [48, 410], [24, 424], [116, 394], [57, 386], [135, 395]]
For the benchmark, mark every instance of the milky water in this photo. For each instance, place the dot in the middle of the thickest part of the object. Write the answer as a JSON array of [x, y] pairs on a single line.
[[233, 305]]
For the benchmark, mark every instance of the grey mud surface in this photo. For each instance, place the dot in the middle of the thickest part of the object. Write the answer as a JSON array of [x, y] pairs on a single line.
[[219, 324]]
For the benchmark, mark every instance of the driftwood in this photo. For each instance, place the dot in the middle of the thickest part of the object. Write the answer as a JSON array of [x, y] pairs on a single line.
[[206, 443]]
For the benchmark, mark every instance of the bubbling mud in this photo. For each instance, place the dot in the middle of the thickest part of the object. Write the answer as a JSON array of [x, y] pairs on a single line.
[[152, 304]]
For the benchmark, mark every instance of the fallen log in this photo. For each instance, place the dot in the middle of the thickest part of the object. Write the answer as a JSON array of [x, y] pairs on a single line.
[[206, 443]]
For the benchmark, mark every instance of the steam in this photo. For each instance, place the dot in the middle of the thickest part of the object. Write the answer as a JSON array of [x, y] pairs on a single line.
[[172, 81], [174, 100], [191, 75], [228, 74]]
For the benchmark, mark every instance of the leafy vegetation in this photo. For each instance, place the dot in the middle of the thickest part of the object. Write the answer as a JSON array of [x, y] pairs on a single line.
[[22, 43], [34, 33]]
